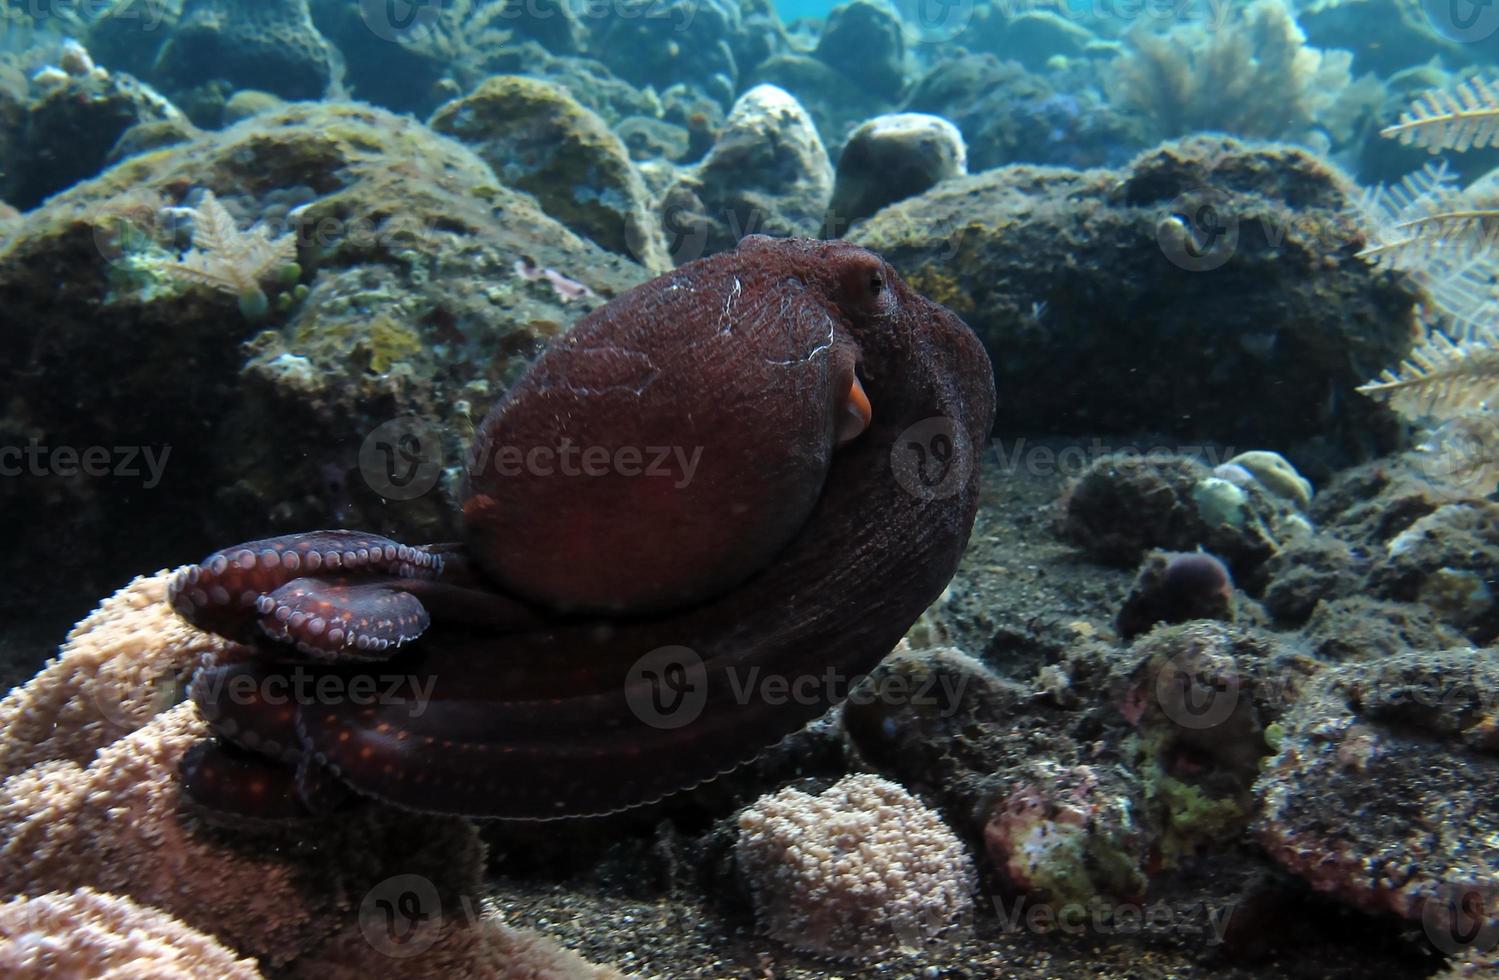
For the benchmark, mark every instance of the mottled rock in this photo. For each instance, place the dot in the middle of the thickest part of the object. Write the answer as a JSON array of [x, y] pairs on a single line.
[[249, 102], [891, 158], [410, 304], [588, 81], [407, 57], [865, 42], [1308, 570], [936, 719], [1381, 793], [270, 45], [1447, 561], [1010, 115], [538, 140], [664, 42], [1123, 505], [1070, 835], [66, 133], [1030, 37], [767, 174], [652, 139], [127, 35], [153, 135], [1357, 627], [1203, 697], [1167, 327], [836, 104]]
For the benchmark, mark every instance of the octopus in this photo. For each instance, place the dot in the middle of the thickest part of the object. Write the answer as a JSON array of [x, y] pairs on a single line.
[[697, 519]]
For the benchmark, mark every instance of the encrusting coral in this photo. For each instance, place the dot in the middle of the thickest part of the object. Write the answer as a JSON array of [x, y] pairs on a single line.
[[124, 663], [860, 870], [86, 933], [101, 809]]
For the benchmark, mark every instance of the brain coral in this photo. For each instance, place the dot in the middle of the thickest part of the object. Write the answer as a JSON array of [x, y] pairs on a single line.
[[862, 869]]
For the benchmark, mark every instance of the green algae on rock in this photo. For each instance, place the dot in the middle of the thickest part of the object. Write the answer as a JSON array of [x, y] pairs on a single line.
[[1090, 269], [539, 140], [397, 228]]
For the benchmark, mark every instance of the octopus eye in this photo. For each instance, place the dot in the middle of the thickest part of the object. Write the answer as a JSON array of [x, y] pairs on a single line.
[[864, 283]]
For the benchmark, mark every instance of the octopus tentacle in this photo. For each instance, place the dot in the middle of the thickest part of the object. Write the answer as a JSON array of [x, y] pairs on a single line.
[[222, 593], [233, 700], [341, 619], [219, 779]]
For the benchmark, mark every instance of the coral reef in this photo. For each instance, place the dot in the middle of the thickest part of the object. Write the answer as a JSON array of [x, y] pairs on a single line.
[[408, 305], [305, 901], [1010, 115], [767, 173], [540, 141], [1379, 793], [1202, 698], [90, 933], [666, 42], [1149, 283], [270, 45], [411, 59], [938, 720], [58, 134], [1124, 505], [834, 102], [1069, 836], [1447, 560], [865, 42], [857, 870], [891, 158], [121, 666], [1254, 76]]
